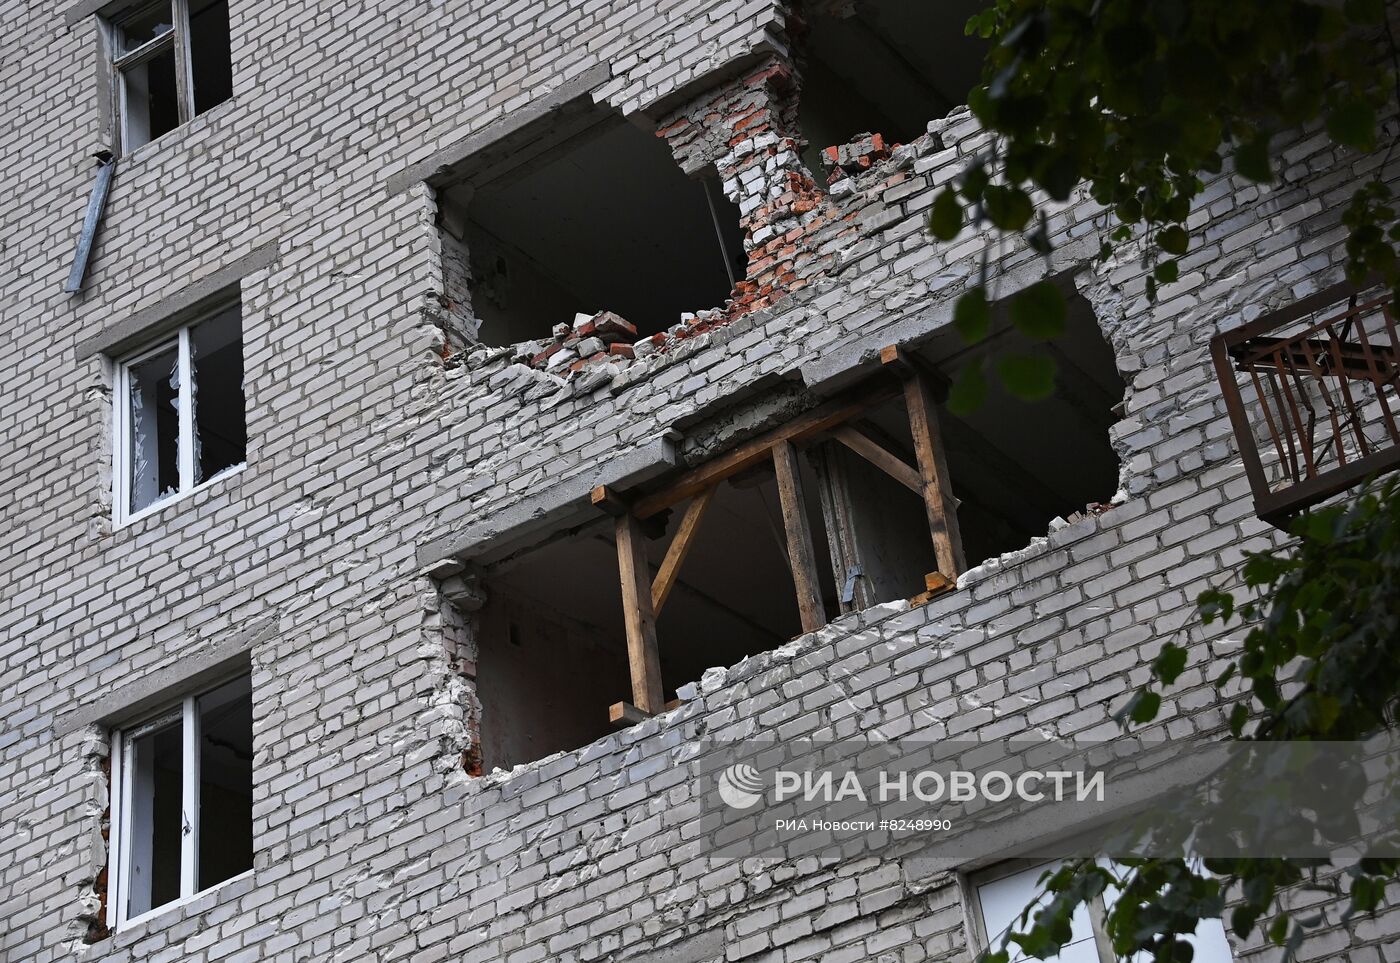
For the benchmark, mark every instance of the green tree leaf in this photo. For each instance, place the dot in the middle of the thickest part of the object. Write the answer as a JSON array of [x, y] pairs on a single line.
[[1039, 311], [971, 315], [1030, 377], [1353, 124], [945, 219], [968, 390]]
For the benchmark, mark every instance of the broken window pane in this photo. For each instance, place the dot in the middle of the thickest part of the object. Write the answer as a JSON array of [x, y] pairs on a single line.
[[156, 826], [211, 62], [154, 393], [225, 782], [144, 26], [150, 102], [220, 435]]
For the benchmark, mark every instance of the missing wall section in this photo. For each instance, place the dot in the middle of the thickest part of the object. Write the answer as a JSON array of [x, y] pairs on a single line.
[[556, 226], [553, 654], [875, 495], [875, 72]]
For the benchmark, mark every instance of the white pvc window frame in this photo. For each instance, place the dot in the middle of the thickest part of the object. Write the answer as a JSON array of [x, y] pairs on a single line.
[[123, 782], [1212, 945], [123, 458]]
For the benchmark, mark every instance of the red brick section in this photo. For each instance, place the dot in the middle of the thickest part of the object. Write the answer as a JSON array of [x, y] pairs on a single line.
[[746, 130]]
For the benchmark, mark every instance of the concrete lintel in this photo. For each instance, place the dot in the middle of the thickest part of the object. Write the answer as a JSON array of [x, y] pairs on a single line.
[[149, 691], [559, 506], [86, 8], [845, 363], [440, 164], [171, 312]]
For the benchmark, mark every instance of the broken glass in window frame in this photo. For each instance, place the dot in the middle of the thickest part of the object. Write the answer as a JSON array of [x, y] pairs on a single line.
[[131, 499], [132, 91]]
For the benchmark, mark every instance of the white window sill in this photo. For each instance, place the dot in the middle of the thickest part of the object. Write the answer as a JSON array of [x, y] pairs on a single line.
[[177, 497], [138, 927]]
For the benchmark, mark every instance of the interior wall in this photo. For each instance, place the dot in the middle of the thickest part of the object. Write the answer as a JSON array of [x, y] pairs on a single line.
[[545, 680], [883, 529], [884, 66], [513, 297]]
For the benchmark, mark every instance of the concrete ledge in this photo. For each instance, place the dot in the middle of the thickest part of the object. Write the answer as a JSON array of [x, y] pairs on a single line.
[[150, 691], [563, 505], [169, 313], [86, 8], [440, 164]]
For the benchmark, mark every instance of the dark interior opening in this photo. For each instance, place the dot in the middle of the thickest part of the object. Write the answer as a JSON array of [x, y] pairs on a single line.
[[211, 53], [225, 782], [221, 431], [1016, 465], [552, 652], [884, 66], [602, 220]]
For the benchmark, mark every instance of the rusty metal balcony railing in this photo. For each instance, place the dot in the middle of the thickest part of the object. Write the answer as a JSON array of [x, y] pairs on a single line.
[[1312, 395]]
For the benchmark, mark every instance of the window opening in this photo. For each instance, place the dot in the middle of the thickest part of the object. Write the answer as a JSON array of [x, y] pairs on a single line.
[[171, 61], [180, 418], [1002, 893], [183, 800]]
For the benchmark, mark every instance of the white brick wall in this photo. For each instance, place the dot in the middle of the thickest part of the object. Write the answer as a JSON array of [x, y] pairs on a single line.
[[370, 842]]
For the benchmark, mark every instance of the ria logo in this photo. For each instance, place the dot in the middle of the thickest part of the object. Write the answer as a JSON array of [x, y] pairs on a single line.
[[741, 786]]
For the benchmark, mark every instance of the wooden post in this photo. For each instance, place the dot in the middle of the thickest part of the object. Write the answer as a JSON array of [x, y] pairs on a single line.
[[939, 503], [799, 537], [637, 613]]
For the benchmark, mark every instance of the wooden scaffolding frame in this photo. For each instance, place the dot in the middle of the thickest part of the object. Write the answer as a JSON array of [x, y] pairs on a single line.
[[644, 596]]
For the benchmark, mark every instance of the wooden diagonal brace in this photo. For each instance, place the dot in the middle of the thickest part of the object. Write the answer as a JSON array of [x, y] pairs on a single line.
[[680, 546], [883, 459]]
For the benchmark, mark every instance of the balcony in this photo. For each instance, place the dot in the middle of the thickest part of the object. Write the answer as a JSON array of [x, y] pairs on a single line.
[[1312, 395]]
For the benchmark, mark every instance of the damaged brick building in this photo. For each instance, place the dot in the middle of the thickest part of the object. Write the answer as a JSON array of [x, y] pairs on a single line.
[[423, 420]]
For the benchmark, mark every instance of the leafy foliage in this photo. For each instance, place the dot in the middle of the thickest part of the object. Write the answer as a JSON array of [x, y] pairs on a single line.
[[1140, 99], [1319, 662]]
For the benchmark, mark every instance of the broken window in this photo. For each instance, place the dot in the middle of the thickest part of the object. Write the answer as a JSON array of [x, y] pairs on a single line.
[[586, 216], [1002, 893], [883, 67], [182, 815], [179, 415], [171, 61]]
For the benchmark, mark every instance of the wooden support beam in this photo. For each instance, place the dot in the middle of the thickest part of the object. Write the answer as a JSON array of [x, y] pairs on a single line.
[[799, 537], [679, 548], [642, 656], [939, 503], [879, 456], [937, 584], [621, 715], [820, 419], [609, 501]]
